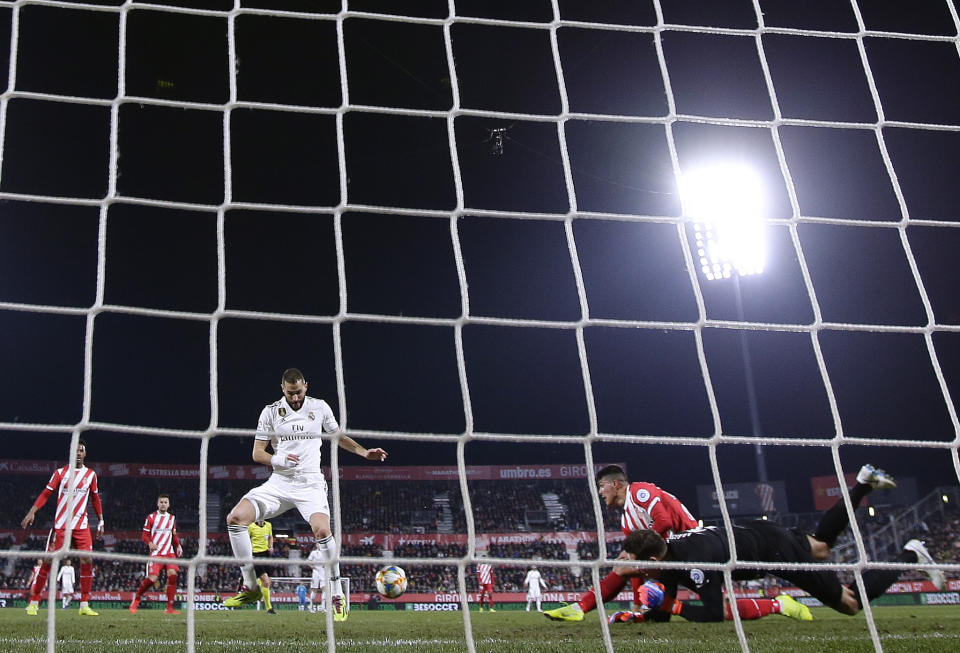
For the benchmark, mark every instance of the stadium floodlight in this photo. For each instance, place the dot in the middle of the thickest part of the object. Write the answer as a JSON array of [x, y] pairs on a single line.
[[726, 203]]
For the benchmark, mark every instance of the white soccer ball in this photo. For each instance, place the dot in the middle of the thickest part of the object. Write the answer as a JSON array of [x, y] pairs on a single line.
[[391, 581]]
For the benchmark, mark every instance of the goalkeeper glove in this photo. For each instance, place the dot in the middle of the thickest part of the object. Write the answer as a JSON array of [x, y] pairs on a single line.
[[651, 595]]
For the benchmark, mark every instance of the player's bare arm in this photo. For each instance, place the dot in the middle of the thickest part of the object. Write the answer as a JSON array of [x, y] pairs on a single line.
[[348, 443]]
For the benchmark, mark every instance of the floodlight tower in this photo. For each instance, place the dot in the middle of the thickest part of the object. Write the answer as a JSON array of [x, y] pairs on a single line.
[[726, 204]]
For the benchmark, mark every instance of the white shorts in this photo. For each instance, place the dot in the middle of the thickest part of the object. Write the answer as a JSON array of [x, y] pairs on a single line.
[[308, 494], [533, 595], [66, 588], [316, 580]]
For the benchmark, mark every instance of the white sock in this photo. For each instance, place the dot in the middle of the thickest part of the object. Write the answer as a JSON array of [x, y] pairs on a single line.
[[328, 551], [538, 605], [243, 548]]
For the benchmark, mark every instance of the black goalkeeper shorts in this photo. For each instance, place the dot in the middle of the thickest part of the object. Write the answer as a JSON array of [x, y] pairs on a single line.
[[792, 545]]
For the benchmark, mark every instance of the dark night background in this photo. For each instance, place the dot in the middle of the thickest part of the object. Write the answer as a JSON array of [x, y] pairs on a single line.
[[241, 174]]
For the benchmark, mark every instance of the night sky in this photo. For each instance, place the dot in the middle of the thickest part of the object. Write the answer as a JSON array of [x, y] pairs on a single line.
[[243, 173]]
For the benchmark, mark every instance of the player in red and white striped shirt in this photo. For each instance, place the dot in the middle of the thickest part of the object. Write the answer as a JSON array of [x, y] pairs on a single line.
[[160, 534], [645, 506], [485, 580], [74, 488]]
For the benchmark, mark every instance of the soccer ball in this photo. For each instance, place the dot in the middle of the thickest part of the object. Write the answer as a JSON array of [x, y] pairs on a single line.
[[391, 581]]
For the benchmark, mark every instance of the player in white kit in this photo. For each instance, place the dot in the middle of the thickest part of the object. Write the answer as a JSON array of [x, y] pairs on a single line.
[[534, 582], [66, 577], [293, 427], [317, 577]]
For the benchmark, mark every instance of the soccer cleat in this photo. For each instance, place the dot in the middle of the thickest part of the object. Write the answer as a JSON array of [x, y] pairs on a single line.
[[32, 609], [243, 597], [937, 577], [482, 608], [170, 610], [876, 478], [339, 609], [271, 611], [569, 612], [87, 611], [134, 604], [790, 607], [624, 616], [492, 610]]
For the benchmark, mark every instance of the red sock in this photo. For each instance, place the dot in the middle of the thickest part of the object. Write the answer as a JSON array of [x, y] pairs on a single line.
[[40, 582], [609, 588], [171, 588], [145, 584], [86, 580], [755, 608]]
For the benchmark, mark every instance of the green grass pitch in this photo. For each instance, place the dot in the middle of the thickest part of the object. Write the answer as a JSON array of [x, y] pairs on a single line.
[[907, 629]]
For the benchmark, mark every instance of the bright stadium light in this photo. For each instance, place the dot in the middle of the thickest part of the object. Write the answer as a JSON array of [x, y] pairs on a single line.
[[727, 206], [726, 203]]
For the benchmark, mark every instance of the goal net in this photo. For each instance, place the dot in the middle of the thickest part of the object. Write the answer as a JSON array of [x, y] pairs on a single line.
[[465, 222]]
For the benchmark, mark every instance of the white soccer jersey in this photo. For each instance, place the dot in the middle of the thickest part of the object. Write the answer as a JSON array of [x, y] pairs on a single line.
[[534, 581], [297, 432], [315, 560], [67, 577], [83, 481], [317, 570], [160, 527]]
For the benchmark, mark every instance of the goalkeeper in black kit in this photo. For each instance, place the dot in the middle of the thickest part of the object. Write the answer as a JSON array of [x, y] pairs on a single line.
[[762, 541]]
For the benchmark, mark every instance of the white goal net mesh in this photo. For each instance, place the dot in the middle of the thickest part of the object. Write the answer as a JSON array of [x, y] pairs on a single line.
[[54, 128]]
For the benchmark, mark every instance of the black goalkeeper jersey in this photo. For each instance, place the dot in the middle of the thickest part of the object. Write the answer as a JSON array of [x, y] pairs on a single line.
[[758, 541]]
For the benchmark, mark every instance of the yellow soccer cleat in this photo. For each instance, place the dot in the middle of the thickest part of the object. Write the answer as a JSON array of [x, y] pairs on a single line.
[[790, 607], [569, 612], [339, 608], [32, 609], [243, 597], [87, 611]]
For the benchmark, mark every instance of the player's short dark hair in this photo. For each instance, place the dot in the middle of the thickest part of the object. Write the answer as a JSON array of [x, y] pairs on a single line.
[[292, 375], [645, 544], [163, 496], [614, 472], [82, 443]]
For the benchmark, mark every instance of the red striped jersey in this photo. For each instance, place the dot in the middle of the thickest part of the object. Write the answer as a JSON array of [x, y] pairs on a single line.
[[72, 501], [159, 528], [647, 506], [484, 574], [33, 576]]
